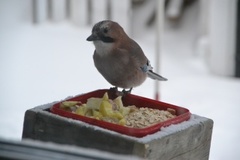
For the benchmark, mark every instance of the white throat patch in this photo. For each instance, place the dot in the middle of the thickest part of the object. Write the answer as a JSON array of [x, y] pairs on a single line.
[[103, 48]]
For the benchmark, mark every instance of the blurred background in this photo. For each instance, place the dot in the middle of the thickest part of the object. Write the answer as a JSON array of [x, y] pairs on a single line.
[[44, 57]]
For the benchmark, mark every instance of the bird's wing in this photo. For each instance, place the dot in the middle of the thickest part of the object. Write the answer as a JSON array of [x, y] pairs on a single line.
[[139, 60]]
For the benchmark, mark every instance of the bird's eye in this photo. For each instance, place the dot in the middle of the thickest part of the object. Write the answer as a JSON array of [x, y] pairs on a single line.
[[105, 30]]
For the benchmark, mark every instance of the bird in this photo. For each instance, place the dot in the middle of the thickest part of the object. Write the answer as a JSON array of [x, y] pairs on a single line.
[[120, 59]]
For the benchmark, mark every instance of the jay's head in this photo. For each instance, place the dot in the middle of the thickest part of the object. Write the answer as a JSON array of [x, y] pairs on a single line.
[[106, 31], [106, 35]]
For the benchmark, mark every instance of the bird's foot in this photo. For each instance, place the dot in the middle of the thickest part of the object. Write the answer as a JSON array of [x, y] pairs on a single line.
[[125, 92], [114, 92], [114, 89]]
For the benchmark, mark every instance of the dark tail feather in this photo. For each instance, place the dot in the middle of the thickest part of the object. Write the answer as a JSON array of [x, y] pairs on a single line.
[[153, 75]]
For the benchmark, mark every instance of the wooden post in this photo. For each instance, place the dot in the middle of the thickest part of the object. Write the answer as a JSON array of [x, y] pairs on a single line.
[[39, 11], [185, 141], [78, 12], [121, 13], [99, 10], [159, 37], [57, 9], [222, 23]]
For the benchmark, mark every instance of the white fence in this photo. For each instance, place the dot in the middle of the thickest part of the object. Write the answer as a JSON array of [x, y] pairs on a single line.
[[82, 12]]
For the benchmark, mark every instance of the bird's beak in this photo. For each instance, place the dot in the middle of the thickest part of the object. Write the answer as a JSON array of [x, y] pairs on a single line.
[[92, 37]]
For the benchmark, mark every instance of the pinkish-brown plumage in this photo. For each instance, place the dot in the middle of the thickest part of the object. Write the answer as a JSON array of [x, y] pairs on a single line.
[[118, 58]]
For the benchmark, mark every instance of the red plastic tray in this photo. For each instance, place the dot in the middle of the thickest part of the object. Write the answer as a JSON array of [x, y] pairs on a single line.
[[130, 99]]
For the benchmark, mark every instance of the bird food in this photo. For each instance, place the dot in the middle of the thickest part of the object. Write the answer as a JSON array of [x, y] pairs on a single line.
[[114, 111], [127, 115]]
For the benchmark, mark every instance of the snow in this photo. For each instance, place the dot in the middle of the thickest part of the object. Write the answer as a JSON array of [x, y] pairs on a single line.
[[48, 62]]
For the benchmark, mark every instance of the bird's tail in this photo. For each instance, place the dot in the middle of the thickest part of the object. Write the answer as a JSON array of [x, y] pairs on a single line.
[[153, 75]]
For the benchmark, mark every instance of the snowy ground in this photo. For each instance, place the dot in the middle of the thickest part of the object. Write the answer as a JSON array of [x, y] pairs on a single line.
[[41, 64]]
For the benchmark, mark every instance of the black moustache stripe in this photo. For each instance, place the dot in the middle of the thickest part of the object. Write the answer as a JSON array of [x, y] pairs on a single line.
[[107, 39]]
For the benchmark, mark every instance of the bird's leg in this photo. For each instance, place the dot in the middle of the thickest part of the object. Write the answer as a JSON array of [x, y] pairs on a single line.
[[114, 89], [125, 92]]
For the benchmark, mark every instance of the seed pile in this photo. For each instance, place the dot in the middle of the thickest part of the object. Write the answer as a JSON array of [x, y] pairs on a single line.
[[145, 117]]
